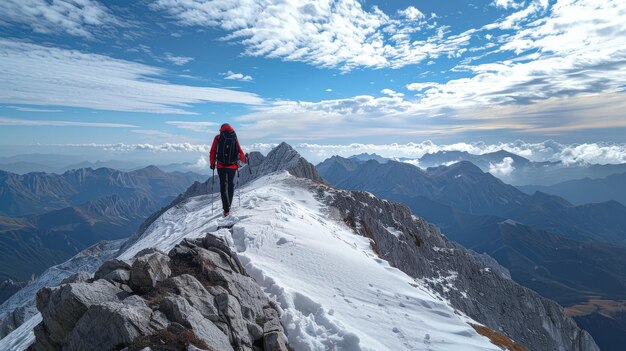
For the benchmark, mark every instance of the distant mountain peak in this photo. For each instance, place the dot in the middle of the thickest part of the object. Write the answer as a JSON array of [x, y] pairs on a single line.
[[364, 157]]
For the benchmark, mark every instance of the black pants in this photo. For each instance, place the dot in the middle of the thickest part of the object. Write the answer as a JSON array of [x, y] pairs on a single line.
[[227, 186]]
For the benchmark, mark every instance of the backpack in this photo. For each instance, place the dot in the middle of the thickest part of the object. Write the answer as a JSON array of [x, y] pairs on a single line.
[[227, 148]]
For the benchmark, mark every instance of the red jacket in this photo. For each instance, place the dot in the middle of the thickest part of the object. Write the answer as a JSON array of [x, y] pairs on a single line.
[[242, 156]]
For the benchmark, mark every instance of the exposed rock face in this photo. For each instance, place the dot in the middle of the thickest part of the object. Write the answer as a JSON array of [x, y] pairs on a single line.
[[197, 297], [282, 157], [148, 270], [473, 284]]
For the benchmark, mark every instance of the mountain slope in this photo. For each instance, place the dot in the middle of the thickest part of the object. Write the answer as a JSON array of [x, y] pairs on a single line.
[[587, 190], [465, 187], [37, 193], [111, 205], [570, 271]]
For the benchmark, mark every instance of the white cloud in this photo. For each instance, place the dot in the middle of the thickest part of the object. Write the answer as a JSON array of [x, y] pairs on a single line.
[[506, 4], [503, 168], [30, 74], [75, 17], [577, 50], [194, 126], [46, 123], [236, 76], [30, 109], [587, 153], [412, 13], [336, 33], [177, 60], [328, 90], [184, 147], [392, 93]]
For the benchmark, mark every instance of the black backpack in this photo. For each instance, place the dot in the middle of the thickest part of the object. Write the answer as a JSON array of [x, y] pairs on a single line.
[[227, 148]]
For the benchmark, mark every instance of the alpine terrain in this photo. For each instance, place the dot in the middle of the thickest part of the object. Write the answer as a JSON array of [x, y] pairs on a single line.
[[301, 265]]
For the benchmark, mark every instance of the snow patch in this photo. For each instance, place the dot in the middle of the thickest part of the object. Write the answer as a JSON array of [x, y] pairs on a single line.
[[393, 231]]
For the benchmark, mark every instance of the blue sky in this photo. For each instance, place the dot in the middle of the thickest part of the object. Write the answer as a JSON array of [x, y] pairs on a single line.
[[106, 75]]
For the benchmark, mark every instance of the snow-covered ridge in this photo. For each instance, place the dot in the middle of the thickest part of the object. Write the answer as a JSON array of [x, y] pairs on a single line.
[[334, 290]]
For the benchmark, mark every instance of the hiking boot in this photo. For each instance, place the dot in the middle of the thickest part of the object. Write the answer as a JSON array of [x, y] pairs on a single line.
[[226, 213]]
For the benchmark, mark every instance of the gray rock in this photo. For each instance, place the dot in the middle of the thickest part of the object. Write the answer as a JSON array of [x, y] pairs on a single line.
[[44, 343], [121, 276], [146, 271], [110, 324], [198, 297], [274, 341], [274, 336], [209, 294], [79, 277], [178, 310], [110, 266], [62, 307], [230, 313]]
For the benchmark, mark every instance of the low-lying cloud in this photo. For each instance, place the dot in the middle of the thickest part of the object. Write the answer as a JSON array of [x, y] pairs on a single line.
[[568, 154], [502, 169]]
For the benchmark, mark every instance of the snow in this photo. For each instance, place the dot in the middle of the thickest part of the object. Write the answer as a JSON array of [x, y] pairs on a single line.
[[393, 231], [510, 222], [22, 337], [334, 291]]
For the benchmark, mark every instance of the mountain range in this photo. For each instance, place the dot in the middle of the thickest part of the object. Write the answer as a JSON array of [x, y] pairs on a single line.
[[52, 163], [515, 169], [566, 252], [48, 218], [587, 190], [345, 270]]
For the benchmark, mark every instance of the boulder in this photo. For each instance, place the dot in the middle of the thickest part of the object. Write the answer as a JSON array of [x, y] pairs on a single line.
[[230, 313], [146, 271], [121, 276], [198, 297], [109, 324], [79, 277], [274, 336], [178, 310], [62, 307], [110, 266]]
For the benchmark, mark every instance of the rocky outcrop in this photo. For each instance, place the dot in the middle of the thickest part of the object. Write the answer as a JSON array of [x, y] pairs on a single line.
[[196, 297], [474, 284]]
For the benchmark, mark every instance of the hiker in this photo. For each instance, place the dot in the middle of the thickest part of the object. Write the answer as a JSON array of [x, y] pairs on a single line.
[[226, 151]]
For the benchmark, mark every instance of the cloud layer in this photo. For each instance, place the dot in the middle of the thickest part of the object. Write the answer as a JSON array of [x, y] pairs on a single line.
[[587, 153], [30, 74], [46, 123], [75, 17], [338, 33]]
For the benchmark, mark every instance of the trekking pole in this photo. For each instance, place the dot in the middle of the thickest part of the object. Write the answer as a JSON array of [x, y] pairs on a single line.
[[212, 194], [248, 163], [238, 190]]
